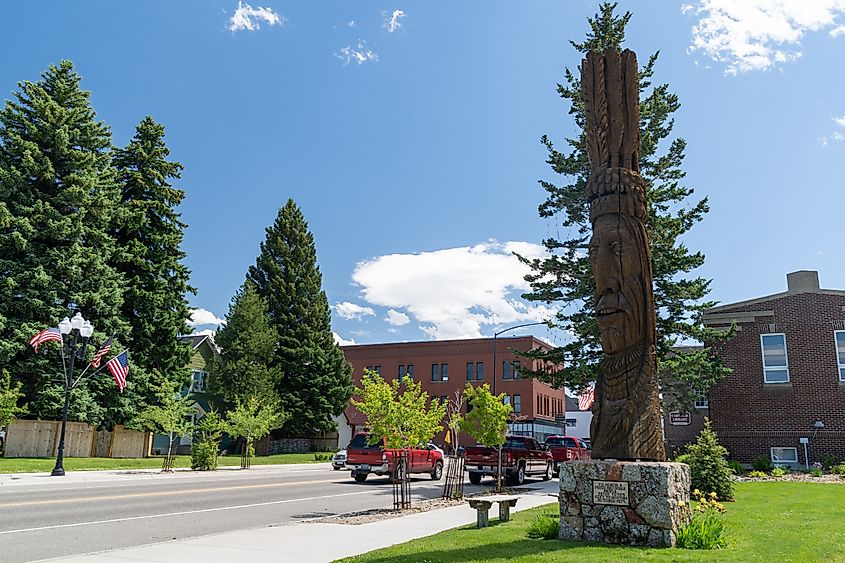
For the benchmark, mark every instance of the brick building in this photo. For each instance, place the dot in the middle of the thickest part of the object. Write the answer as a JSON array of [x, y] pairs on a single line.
[[680, 427], [787, 389], [446, 366]]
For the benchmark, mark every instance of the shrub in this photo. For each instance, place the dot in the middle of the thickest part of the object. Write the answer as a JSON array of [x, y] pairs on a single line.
[[838, 469], [816, 472], [323, 456], [762, 463], [736, 467], [683, 458], [709, 469], [757, 474], [702, 526], [204, 456], [544, 527], [780, 471], [829, 461]]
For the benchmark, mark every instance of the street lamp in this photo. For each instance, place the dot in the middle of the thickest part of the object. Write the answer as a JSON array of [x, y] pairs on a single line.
[[75, 335], [504, 330]]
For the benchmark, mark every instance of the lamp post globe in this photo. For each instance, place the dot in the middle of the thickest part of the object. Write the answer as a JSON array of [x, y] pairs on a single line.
[[75, 335]]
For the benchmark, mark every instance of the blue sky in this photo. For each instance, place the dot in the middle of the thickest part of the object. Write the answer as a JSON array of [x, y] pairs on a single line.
[[408, 132]]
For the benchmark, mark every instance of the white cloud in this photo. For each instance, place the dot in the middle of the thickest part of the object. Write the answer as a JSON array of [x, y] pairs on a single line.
[[341, 341], [350, 24], [247, 17], [349, 310], [454, 292], [201, 317], [359, 54], [392, 23], [837, 31], [397, 318], [206, 332], [840, 121], [756, 34], [837, 136]]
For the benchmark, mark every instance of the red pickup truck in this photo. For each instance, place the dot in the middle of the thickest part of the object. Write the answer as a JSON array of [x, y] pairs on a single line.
[[566, 448], [522, 456], [363, 459]]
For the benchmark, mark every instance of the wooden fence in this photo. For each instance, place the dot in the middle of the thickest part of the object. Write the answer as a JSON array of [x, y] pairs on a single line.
[[40, 438]]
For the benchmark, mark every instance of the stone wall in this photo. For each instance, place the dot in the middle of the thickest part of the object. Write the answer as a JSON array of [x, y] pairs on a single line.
[[289, 446], [645, 508]]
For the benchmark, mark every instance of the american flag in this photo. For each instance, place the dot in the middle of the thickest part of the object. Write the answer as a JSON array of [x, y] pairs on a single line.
[[119, 368], [104, 349], [585, 401], [45, 336]]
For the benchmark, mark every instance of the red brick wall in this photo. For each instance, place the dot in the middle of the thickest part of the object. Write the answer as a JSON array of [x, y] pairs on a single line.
[[749, 416], [539, 400]]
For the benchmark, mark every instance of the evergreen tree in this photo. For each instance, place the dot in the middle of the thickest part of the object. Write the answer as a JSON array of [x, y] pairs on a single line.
[[247, 344], [58, 194], [316, 381], [565, 277], [709, 469], [149, 236]]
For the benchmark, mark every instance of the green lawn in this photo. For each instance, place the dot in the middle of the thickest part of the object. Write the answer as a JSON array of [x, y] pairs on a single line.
[[774, 521], [40, 464]]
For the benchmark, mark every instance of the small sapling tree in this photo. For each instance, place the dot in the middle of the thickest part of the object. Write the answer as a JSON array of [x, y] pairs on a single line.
[[207, 433], [252, 420], [172, 417], [487, 421]]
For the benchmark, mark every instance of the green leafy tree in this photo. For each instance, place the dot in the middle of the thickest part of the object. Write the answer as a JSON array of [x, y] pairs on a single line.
[[565, 277], [58, 195], [10, 394], [316, 381], [149, 256], [399, 412], [486, 420], [708, 464], [246, 365], [252, 419], [172, 416]]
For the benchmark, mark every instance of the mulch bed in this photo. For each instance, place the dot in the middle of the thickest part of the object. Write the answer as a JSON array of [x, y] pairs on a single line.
[[376, 514], [798, 476]]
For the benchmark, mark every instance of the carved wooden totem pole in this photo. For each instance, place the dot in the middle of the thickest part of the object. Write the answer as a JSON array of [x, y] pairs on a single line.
[[626, 411]]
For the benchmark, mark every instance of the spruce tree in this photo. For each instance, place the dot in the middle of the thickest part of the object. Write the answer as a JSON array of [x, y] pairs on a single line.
[[316, 382], [565, 277], [149, 236], [247, 342], [58, 194]]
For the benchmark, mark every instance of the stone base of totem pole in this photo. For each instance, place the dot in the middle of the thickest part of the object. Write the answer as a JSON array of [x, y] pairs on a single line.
[[623, 502]]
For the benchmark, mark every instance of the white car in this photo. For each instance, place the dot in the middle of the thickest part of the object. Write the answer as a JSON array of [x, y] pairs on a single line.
[[435, 447], [339, 460]]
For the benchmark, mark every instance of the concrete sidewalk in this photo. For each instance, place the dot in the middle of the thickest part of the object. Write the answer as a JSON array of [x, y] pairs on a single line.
[[305, 542]]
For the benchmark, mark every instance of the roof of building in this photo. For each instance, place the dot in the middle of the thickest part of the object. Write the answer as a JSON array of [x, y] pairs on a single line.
[[571, 404], [802, 281]]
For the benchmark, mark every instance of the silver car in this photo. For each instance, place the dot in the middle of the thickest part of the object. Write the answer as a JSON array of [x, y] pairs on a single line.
[[339, 460]]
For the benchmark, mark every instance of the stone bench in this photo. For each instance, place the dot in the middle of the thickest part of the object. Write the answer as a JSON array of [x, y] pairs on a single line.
[[482, 506]]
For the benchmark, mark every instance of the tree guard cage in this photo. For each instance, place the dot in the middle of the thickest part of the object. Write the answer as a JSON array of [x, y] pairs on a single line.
[[167, 464], [245, 457], [401, 479], [454, 486]]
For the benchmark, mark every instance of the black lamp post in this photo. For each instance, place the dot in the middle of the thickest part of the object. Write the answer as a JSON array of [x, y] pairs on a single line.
[[75, 335]]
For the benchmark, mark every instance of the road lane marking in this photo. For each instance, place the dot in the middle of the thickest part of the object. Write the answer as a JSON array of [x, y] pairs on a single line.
[[160, 493], [129, 518]]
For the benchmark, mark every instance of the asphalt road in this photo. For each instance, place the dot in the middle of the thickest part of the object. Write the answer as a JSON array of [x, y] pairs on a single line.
[[54, 518]]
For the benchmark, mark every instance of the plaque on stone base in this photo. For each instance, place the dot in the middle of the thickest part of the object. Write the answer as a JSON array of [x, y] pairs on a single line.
[[622, 502]]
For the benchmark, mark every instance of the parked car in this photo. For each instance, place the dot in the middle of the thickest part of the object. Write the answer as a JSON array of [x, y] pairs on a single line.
[[339, 460], [363, 459], [437, 448], [566, 448], [522, 456]]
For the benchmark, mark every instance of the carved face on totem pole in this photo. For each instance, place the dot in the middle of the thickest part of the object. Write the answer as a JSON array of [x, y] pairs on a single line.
[[617, 263]]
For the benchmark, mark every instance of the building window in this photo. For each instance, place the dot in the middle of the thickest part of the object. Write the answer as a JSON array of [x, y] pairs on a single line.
[[506, 370], [198, 378], [571, 423], [440, 372], [517, 404], [701, 400], [401, 372], [410, 371], [840, 352], [470, 371], [506, 399], [479, 371], [784, 455], [376, 369], [775, 363], [516, 370]]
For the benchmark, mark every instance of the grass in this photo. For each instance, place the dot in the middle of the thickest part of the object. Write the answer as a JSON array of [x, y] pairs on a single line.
[[42, 464], [772, 521]]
